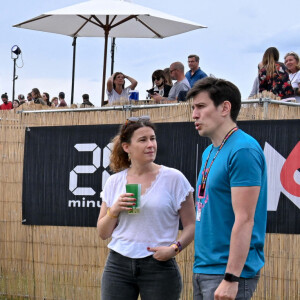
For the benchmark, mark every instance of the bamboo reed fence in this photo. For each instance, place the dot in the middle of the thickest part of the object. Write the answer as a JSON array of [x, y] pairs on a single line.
[[52, 262]]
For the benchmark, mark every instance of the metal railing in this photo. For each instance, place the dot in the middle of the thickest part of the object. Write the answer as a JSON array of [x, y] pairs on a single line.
[[263, 101]]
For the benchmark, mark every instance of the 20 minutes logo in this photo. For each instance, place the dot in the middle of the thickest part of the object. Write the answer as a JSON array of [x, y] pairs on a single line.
[[88, 169]]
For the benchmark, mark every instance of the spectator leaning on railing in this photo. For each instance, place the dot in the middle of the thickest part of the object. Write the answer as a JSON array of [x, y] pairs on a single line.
[[62, 102], [46, 98], [273, 76], [195, 73], [291, 61], [54, 102], [21, 99], [6, 104], [86, 101], [37, 97], [16, 103], [29, 97], [182, 84], [159, 84], [116, 90]]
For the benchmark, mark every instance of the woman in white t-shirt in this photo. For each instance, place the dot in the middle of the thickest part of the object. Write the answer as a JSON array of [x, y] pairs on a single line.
[[291, 61], [116, 91], [143, 245]]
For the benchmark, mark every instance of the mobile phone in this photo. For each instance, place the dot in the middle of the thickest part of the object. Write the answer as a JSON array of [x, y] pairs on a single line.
[[150, 92]]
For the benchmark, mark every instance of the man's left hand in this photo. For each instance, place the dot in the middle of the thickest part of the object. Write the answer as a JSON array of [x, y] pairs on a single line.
[[226, 290]]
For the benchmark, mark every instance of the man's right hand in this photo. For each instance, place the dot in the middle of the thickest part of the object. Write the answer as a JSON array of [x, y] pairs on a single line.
[[226, 290]]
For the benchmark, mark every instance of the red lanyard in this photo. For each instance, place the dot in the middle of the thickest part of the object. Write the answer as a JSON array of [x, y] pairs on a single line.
[[206, 172]]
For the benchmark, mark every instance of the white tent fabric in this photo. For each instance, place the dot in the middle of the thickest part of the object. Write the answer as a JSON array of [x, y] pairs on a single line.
[[85, 19]]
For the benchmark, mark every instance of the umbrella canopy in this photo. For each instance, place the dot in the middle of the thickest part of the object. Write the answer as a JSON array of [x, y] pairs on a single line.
[[113, 18]]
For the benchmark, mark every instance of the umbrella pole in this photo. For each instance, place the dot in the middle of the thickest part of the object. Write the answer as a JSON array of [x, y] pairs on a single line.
[[73, 68], [104, 63], [113, 45]]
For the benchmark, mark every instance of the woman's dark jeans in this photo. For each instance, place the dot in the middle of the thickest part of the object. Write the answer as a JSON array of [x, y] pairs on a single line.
[[125, 278]]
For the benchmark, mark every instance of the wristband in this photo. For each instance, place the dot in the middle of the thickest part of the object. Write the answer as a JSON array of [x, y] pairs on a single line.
[[111, 215], [175, 248], [231, 278], [179, 245]]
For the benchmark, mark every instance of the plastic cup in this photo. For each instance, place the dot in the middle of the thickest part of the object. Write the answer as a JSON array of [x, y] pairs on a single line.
[[135, 189]]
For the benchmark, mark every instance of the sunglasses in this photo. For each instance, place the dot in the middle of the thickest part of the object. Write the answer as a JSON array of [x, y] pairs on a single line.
[[156, 78], [137, 119]]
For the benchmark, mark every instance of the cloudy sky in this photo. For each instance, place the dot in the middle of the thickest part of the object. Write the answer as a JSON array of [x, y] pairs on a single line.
[[238, 33]]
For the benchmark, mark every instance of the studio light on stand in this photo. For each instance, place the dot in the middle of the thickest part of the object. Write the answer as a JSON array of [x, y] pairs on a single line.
[[15, 52]]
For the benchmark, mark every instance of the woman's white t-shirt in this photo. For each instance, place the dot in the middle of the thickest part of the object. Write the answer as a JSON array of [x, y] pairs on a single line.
[[113, 96], [158, 220], [295, 81]]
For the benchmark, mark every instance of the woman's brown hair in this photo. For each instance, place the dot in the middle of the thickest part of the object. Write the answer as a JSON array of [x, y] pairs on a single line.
[[270, 58], [158, 74], [168, 76], [37, 92], [115, 76], [119, 159]]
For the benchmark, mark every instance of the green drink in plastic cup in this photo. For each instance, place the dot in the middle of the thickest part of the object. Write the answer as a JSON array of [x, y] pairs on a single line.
[[135, 189]]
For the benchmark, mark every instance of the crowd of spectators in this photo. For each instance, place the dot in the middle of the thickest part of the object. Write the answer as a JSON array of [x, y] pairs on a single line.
[[279, 80], [163, 89], [35, 97]]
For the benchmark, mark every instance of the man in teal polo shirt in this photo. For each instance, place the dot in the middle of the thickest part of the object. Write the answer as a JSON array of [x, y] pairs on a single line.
[[231, 202]]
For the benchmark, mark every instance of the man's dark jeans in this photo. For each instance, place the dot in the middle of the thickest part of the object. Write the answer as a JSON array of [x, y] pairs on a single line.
[[205, 286]]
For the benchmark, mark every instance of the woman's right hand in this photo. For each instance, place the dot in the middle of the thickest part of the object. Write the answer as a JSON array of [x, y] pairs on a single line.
[[124, 203]]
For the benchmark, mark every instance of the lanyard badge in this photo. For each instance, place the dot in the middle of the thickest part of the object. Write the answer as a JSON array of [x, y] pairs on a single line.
[[202, 186]]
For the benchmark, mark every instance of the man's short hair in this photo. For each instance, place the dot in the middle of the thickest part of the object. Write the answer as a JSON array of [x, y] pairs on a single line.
[[178, 66], [194, 56], [219, 90], [85, 97], [61, 95]]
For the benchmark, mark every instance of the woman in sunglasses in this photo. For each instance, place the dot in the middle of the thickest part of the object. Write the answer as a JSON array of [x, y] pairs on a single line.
[[159, 85], [116, 90], [291, 61], [143, 245]]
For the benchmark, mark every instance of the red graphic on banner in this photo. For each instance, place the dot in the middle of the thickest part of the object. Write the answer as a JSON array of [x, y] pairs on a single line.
[[291, 165]]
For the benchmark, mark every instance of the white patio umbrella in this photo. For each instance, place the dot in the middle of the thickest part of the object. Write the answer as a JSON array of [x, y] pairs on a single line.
[[108, 18]]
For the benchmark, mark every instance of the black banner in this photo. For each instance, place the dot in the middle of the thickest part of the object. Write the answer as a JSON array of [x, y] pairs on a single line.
[[65, 169]]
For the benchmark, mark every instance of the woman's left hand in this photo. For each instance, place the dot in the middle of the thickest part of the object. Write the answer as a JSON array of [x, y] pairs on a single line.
[[162, 253]]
